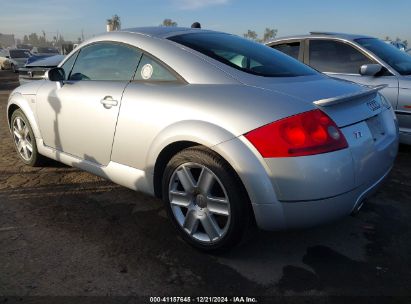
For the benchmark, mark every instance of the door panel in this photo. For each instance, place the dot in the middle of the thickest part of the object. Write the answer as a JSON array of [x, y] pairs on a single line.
[[404, 108], [390, 92], [342, 60], [74, 120], [79, 116]]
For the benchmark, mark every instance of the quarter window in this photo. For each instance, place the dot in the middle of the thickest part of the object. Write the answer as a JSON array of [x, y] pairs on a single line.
[[151, 70], [106, 61], [68, 65], [336, 57], [291, 49]]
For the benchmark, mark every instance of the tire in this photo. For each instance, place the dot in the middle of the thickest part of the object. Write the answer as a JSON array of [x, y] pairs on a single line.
[[24, 140], [211, 211]]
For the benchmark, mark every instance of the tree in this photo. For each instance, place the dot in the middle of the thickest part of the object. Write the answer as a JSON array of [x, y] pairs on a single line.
[[60, 41], [25, 39], [34, 39], [114, 23], [251, 35], [269, 34], [168, 22]]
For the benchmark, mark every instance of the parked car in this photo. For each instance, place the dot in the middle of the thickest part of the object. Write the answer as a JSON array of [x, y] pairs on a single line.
[[47, 51], [358, 58], [5, 63], [18, 58], [38, 53], [399, 45], [36, 69], [27, 47], [226, 131]]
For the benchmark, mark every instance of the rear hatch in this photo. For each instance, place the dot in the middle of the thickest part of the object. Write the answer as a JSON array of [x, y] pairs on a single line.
[[366, 122]]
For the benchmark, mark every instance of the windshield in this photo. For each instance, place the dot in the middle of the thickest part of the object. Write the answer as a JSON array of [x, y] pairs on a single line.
[[397, 59], [245, 55], [46, 50], [19, 54]]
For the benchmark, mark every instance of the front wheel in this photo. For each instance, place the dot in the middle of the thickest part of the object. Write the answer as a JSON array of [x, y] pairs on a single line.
[[205, 200], [24, 140]]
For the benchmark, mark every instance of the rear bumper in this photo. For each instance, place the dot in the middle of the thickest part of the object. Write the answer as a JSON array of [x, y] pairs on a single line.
[[305, 214], [288, 193]]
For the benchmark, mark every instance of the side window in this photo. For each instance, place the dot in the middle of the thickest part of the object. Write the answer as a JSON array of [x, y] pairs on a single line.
[[68, 65], [106, 61], [291, 49], [151, 70], [336, 57]]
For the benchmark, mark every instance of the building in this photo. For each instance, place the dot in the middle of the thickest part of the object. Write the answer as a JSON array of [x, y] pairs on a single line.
[[7, 40]]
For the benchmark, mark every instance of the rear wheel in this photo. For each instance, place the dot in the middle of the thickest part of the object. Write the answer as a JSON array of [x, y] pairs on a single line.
[[24, 140], [206, 200]]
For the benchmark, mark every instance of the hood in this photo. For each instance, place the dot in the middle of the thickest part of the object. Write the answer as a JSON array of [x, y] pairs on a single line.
[[19, 60], [49, 61]]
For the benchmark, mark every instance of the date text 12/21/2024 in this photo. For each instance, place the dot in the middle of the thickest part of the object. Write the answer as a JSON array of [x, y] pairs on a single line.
[[234, 299]]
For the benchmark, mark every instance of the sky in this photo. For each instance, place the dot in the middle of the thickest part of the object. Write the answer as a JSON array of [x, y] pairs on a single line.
[[69, 18]]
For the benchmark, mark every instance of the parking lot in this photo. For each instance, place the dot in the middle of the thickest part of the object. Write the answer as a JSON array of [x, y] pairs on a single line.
[[66, 232]]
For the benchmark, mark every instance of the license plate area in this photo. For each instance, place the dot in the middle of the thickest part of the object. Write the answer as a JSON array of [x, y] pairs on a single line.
[[376, 126]]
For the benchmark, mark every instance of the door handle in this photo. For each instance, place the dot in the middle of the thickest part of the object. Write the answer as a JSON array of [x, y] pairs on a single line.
[[108, 102]]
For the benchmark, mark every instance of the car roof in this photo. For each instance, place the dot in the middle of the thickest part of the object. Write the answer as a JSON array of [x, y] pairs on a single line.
[[163, 31], [316, 34]]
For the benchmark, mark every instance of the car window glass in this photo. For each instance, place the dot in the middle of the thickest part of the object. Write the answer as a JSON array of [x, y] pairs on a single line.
[[243, 54], [69, 64], [336, 57], [106, 61], [19, 54], [291, 49], [151, 70], [397, 59]]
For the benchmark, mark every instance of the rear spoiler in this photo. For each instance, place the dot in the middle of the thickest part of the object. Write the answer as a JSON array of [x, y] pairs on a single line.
[[338, 99]]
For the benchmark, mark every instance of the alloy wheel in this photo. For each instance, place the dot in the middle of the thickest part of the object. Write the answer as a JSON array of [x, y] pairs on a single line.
[[22, 138], [199, 202]]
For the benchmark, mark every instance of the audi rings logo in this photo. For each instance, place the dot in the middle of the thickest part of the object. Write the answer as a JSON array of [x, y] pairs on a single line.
[[373, 105]]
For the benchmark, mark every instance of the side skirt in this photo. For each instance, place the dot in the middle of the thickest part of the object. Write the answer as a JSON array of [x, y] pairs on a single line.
[[126, 176]]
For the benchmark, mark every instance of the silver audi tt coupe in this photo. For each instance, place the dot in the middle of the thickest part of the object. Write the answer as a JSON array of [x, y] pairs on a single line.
[[228, 132]]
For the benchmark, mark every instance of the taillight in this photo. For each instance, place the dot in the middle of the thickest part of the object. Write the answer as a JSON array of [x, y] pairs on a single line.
[[304, 134]]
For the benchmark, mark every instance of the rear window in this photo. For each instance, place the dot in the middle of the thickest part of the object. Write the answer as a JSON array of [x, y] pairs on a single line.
[[19, 54], [245, 55], [46, 50]]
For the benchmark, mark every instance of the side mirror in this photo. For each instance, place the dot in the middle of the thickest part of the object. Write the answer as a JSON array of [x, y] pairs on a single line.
[[370, 69], [55, 74]]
